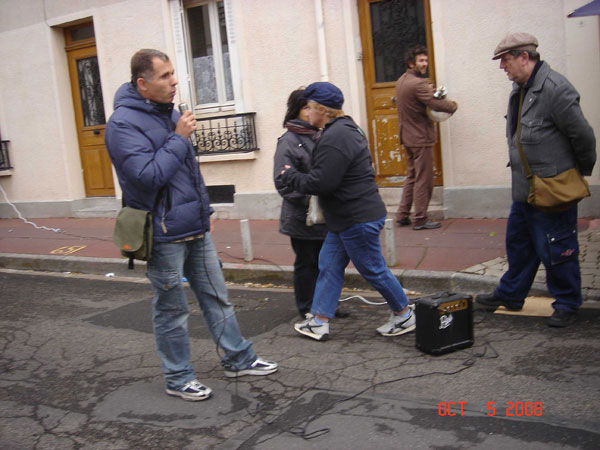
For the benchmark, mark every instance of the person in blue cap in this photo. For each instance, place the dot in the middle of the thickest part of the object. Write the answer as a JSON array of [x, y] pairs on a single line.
[[342, 176], [295, 148]]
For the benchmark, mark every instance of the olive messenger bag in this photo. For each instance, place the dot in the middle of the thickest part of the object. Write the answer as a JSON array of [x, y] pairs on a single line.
[[133, 234], [552, 194]]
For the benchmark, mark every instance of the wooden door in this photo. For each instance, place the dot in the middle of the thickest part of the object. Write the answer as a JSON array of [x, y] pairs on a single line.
[[388, 28], [89, 110]]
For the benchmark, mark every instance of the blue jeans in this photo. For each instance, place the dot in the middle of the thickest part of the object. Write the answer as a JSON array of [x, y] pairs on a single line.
[[359, 244], [533, 236], [196, 260]]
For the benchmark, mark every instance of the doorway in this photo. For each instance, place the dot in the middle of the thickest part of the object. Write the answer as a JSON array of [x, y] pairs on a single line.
[[388, 28], [88, 105]]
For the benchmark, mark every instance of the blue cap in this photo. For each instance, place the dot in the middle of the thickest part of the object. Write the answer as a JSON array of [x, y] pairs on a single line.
[[324, 93]]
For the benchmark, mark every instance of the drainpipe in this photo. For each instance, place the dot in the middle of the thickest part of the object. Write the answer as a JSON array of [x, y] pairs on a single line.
[[324, 74]]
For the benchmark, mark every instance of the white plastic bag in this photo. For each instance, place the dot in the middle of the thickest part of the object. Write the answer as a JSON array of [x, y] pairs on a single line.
[[315, 213]]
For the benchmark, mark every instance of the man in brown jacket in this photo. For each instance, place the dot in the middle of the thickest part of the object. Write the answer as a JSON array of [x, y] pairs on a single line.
[[414, 93]]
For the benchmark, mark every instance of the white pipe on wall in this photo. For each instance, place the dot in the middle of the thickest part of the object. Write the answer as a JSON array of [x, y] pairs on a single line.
[[352, 36], [324, 74]]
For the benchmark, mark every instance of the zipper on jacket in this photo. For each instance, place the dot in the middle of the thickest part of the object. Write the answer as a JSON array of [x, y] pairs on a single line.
[[165, 204]]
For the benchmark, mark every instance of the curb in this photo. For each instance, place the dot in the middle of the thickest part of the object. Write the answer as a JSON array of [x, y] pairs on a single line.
[[423, 281], [74, 264]]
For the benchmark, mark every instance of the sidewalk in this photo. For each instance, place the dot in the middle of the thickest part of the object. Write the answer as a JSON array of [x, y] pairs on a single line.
[[463, 255]]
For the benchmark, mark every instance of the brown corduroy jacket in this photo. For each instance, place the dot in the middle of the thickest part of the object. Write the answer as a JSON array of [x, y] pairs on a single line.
[[413, 95]]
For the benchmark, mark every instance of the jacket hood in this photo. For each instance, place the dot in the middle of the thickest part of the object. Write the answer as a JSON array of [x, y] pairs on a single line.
[[127, 95], [345, 121]]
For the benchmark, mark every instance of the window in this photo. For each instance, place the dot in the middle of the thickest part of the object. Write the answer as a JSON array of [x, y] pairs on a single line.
[[209, 75], [92, 104], [4, 159], [396, 26], [208, 53]]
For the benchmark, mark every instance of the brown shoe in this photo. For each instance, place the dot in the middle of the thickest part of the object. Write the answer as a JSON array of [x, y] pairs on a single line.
[[405, 221]]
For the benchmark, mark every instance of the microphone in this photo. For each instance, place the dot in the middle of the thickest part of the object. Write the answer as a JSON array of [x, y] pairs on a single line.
[[183, 107]]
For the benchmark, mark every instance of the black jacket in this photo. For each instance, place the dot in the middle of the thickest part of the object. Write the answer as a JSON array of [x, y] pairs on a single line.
[[295, 150], [342, 176]]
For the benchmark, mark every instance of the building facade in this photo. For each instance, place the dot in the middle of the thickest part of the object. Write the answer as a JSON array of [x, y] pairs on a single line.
[[238, 60]]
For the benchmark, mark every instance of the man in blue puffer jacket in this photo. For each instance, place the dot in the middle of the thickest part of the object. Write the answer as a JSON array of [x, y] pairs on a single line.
[[148, 143]]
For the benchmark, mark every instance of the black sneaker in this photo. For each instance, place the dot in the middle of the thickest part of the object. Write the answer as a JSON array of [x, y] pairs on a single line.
[[429, 225], [341, 313], [561, 319], [193, 391], [404, 222], [490, 301]]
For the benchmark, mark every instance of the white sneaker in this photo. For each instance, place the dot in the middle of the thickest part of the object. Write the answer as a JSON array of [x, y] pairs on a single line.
[[310, 328], [397, 325], [192, 391], [258, 368]]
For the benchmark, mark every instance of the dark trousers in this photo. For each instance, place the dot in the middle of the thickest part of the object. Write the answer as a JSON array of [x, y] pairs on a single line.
[[418, 185], [306, 271], [533, 236]]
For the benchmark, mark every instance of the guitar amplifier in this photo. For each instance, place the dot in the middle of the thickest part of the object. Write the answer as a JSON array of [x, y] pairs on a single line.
[[444, 322]]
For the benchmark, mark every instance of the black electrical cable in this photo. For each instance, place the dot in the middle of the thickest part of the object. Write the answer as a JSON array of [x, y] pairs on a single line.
[[302, 430], [218, 340]]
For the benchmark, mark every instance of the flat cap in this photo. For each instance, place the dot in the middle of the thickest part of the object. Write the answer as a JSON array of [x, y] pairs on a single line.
[[324, 93], [515, 41]]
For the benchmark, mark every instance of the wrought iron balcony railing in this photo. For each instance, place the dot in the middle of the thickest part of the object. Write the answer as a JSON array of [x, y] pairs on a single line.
[[233, 133], [4, 159]]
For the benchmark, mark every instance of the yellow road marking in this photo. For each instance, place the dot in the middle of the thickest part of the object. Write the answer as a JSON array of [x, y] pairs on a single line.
[[67, 250]]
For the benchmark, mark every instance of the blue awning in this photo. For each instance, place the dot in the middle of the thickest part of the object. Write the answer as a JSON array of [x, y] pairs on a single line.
[[591, 9]]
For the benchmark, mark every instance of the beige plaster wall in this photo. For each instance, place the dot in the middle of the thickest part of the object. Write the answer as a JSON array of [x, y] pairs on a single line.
[[122, 29], [37, 110], [38, 118], [465, 35], [277, 52], [583, 67]]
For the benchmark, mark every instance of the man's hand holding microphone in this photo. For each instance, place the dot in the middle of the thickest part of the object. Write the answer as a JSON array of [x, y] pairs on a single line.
[[186, 125]]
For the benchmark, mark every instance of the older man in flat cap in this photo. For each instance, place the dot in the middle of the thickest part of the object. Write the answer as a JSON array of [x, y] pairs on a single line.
[[544, 119]]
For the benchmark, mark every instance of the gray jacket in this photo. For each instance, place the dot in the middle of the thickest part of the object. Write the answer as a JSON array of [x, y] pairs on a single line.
[[295, 150], [554, 134]]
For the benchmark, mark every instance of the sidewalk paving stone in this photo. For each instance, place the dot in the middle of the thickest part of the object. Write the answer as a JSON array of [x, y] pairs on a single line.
[[473, 247]]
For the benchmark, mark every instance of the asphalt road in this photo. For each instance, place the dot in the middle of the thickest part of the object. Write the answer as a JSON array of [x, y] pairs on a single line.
[[78, 370]]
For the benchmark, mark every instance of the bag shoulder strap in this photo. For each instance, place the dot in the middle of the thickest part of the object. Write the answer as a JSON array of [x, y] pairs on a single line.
[[521, 152]]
